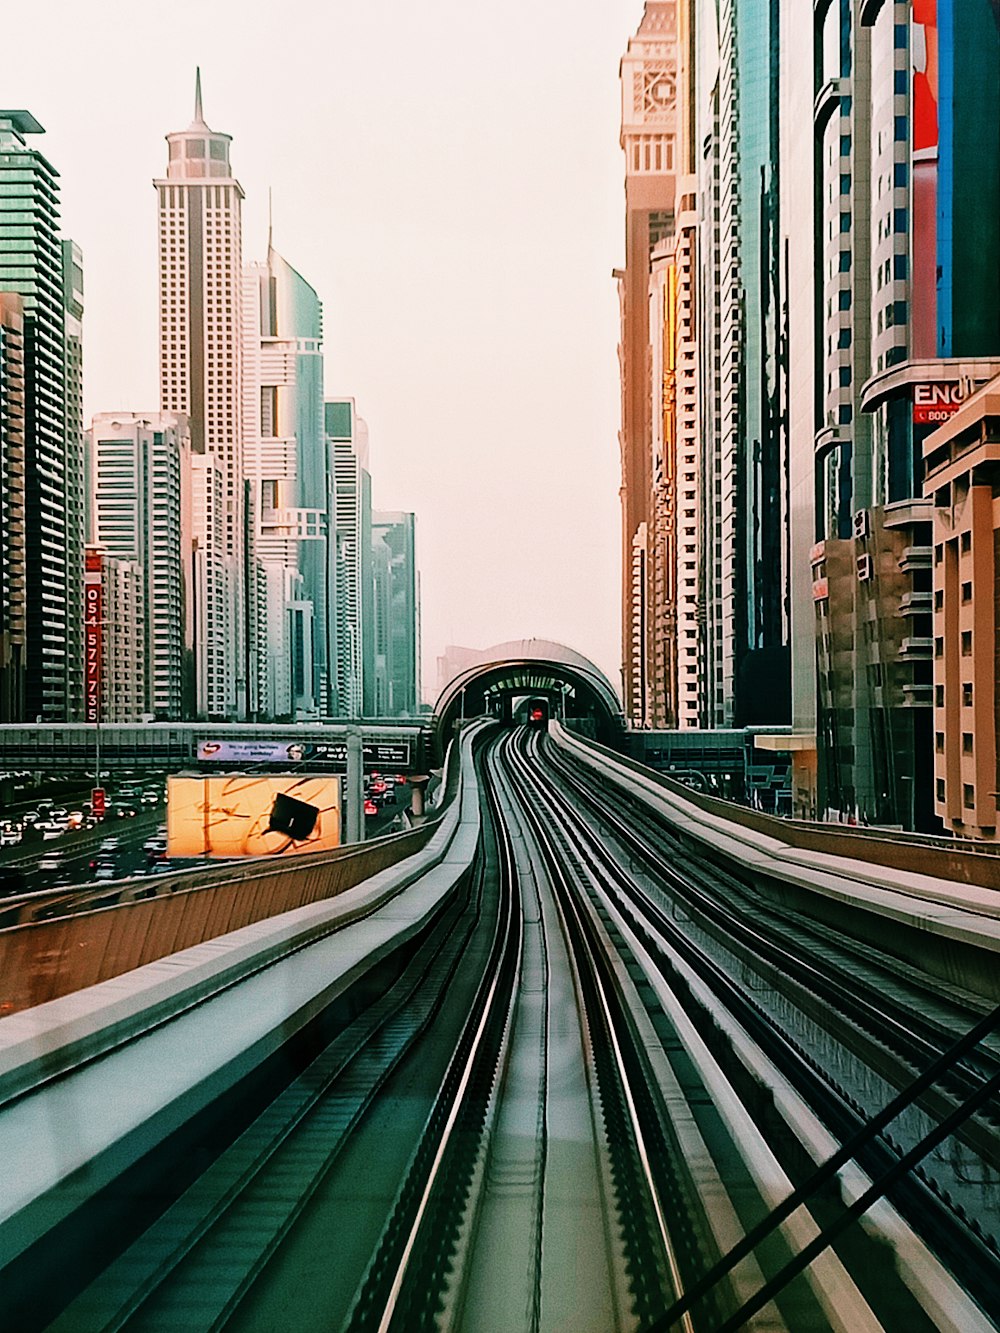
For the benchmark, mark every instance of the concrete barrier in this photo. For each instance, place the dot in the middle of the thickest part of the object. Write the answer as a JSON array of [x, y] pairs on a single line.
[[43, 960], [72, 1124], [947, 925]]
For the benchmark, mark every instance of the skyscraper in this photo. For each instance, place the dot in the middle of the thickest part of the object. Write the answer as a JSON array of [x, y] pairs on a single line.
[[200, 261], [397, 614], [347, 440], [289, 469], [13, 572], [116, 628], [211, 585], [31, 265], [648, 80], [904, 246], [140, 476], [744, 387], [76, 501]]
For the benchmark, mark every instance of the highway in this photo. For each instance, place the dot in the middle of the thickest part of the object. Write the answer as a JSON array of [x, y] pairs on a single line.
[[601, 1083]]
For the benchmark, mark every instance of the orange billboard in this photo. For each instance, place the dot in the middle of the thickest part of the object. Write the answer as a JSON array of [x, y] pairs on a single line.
[[279, 814]]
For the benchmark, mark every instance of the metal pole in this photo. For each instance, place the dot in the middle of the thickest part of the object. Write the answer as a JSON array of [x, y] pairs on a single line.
[[354, 785]]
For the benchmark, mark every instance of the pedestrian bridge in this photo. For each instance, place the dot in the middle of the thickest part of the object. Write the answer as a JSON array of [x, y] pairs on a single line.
[[58, 746]]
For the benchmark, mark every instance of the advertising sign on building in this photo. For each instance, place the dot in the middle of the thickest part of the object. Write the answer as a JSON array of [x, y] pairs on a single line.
[[378, 754], [936, 402], [93, 632]]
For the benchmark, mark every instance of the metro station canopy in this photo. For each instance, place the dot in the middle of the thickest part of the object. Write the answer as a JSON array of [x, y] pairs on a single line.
[[525, 668]]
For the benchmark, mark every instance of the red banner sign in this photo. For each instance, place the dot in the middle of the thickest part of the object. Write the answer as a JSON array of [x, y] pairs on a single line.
[[93, 632], [98, 802], [936, 402]]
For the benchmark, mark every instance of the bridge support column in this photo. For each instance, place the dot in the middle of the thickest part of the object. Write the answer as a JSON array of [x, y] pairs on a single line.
[[354, 784], [418, 786]]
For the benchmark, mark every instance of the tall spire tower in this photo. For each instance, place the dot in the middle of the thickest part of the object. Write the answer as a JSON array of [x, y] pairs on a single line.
[[200, 255]]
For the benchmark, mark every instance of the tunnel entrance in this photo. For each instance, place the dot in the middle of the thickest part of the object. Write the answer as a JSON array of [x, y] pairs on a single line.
[[509, 677]]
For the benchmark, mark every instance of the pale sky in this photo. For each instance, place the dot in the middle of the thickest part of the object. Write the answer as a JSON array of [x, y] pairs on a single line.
[[447, 176]]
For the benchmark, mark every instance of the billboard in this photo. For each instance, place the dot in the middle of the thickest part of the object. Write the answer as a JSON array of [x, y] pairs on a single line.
[[937, 402], [281, 814], [331, 753], [93, 634]]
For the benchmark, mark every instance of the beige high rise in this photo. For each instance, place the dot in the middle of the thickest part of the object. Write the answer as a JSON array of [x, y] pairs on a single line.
[[648, 139], [200, 256]]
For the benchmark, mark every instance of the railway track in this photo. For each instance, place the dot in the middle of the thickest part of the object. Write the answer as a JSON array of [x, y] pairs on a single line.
[[583, 1100], [667, 906], [890, 1019]]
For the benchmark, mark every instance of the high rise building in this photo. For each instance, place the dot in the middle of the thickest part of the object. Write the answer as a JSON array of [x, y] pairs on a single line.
[[347, 440], [648, 138], [140, 478], [397, 614], [902, 254], [672, 541], [31, 265], [743, 386], [708, 594], [289, 470], [116, 639], [211, 585], [961, 477], [76, 500], [13, 571], [200, 263]]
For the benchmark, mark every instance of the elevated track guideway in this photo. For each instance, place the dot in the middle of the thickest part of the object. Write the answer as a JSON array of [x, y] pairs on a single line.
[[561, 1073]]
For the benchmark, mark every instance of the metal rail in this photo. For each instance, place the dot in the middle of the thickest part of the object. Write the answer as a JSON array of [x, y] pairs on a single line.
[[925, 1211]]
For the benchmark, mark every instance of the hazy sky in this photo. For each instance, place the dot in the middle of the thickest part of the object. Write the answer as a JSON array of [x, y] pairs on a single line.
[[447, 176]]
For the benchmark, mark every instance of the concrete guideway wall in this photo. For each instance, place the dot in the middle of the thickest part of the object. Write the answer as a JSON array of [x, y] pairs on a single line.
[[71, 1124], [43, 960], [947, 924]]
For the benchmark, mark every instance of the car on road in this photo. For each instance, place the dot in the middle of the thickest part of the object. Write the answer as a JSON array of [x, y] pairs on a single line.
[[371, 808]]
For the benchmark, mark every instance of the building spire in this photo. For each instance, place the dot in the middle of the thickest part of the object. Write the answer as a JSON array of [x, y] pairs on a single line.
[[197, 95], [270, 219]]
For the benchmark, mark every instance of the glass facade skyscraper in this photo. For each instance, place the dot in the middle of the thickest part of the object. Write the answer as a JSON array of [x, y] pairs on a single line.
[[31, 265]]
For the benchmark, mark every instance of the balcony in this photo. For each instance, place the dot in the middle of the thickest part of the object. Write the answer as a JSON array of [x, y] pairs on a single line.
[[916, 649], [916, 557], [904, 513]]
